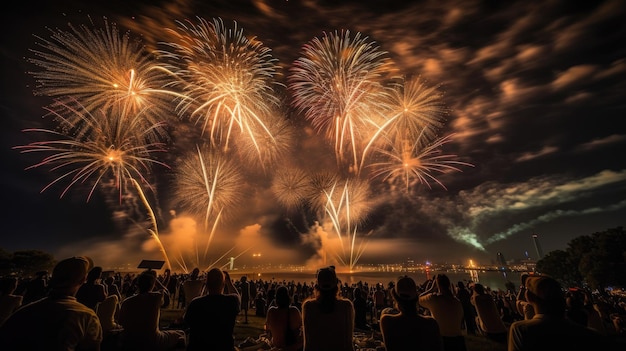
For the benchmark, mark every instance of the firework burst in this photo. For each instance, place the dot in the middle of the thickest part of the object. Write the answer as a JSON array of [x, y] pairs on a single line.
[[290, 187], [227, 79], [101, 68], [337, 84], [409, 163]]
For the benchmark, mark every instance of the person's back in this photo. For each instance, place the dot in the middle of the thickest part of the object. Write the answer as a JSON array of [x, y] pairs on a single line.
[[489, 320], [284, 322], [447, 310], [408, 329], [211, 318], [139, 316], [360, 310], [549, 329], [58, 321], [327, 319]]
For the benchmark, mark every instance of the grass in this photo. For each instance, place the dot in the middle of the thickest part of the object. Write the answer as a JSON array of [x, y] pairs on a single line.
[[254, 328]]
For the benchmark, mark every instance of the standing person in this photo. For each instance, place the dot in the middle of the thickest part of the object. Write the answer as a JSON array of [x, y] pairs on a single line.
[[447, 311], [469, 314], [328, 319], [211, 317], [409, 327], [549, 329], [245, 296], [360, 310], [139, 316], [58, 321], [284, 322]]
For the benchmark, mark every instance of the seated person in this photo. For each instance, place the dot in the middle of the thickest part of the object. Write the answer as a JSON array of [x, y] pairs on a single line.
[[139, 316], [284, 322], [549, 329], [58, 321], [408, 327], [9, 303]]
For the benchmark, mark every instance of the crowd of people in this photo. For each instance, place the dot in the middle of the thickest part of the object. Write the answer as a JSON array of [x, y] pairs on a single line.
[[80, 307]]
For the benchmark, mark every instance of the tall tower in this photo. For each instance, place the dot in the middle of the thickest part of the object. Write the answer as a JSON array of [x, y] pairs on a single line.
[[501, 260], [231, 263], [537, 247]]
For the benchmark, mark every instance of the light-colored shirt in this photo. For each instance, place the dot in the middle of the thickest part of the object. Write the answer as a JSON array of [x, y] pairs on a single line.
[[52, 323]]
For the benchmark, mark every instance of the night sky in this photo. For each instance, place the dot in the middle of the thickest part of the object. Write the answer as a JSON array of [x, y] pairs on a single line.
[[536, 95]]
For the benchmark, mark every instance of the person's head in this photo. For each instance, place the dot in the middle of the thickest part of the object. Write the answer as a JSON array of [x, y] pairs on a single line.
[[195, 273], [327, 282], [215, 281], [68, 275], [282, 297], [146, 281], [479, 289], [405, 294], [94, 274], [545, 294], [443, 283], [243, 279]]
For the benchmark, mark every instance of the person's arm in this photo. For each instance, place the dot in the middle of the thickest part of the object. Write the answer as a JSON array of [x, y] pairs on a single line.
[[229, 287]]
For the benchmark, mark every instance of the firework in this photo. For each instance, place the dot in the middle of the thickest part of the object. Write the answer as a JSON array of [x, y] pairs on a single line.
[[264, 148], [99, 148], [227, 80], [208, 185], [290, 187], [101, 68], [102, 148], [409, 163], [337, 84], [347, 204]]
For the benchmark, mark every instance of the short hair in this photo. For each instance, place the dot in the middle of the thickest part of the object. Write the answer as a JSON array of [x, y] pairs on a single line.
[[146, 281], [282, 297], [215, 279]]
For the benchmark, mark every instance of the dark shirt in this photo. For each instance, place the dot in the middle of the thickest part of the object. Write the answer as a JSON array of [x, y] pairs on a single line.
[[211, 321]]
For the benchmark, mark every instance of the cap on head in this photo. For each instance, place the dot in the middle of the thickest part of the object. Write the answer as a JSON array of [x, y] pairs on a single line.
[[405, 289], [69, 272], [327, 278], [544, 287]]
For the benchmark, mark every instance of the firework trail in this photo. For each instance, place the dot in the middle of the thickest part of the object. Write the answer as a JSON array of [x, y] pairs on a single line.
[[98, 149], [208, 185], [102, 68], [227, 80], [410, 163], [347, 204], [337, 84]]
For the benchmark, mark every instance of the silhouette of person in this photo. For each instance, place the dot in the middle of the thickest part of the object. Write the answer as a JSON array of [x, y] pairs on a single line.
[[283, 320], [408, 327], [360, 309], [9, 303], [58, 321], [488, 321], [469, 314], [211, 318], [549, 329], [447, 310], [245, 296], [139, 316], [328, 319], [93, 291]]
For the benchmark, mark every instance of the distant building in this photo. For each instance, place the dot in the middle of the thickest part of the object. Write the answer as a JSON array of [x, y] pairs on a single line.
[[501, 260]]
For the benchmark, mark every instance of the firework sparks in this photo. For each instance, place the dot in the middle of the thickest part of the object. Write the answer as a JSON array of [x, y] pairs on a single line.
[[101, 68], [346, 206], [337, 84], [290, 187], [207, 185], [410, 163], [99, 148], [227, 79]]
